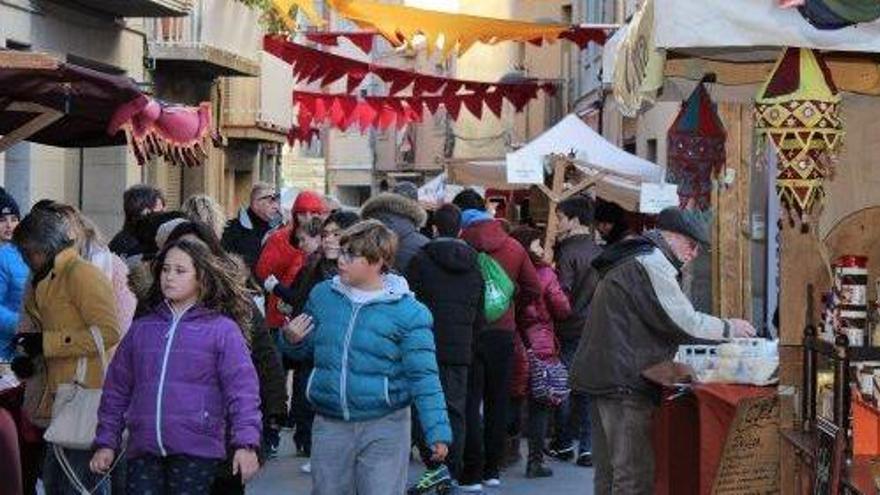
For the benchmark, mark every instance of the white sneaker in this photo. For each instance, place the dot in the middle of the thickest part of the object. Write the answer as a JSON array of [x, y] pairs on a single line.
[[475, 488], [306, 468], [492, 482]]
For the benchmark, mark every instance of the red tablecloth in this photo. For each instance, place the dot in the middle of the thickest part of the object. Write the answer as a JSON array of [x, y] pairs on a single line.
[[689, 436]]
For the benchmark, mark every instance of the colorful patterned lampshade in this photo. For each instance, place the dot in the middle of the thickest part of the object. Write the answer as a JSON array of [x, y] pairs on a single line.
[[798, 110], [696, 149]]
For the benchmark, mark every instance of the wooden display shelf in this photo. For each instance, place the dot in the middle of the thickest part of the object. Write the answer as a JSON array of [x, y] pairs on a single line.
[[853, 354]]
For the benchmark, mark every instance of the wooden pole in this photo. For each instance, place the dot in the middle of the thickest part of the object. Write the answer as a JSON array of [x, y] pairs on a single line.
[[560, 165], [44, 117]]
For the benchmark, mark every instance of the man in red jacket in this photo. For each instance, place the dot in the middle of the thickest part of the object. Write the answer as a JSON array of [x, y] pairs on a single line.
[[489, 380]]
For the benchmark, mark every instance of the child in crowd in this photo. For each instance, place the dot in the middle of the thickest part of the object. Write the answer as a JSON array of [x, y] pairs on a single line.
[[321, 266], [374, 356], [536, 325], [182, 378]]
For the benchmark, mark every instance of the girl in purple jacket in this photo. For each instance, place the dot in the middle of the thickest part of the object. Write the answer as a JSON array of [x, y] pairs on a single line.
[[182, 382]]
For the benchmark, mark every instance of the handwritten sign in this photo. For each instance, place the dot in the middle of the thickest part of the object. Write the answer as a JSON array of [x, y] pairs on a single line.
[[521, 170], [750, 461], [654, 198]]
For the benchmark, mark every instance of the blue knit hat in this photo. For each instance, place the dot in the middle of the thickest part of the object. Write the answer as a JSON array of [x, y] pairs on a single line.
[[8, 206]]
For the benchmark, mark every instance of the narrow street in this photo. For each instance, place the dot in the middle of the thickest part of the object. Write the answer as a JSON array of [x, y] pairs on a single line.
[[283, 477]]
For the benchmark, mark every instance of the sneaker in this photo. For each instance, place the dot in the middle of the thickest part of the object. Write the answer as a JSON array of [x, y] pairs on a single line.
[[306, 468], [430, 480], [585, 459], [492, 482], [475, 488], [561, 454], [538, 470]]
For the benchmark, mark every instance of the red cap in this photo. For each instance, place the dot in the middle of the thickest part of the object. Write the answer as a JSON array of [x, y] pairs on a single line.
[[309, 202]]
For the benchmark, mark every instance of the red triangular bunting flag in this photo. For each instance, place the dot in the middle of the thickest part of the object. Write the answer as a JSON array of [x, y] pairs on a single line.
[[474, 104], [433, 104], [495, 102], [453, 105]]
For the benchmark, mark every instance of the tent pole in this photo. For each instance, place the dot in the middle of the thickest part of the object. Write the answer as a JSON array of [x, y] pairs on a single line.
[[560, 165]]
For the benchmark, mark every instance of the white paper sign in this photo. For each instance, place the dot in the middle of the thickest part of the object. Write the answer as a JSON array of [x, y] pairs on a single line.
[[521, 170], [654, 198]]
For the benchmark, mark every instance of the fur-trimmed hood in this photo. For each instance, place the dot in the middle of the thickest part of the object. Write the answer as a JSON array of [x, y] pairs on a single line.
[[394, 204]]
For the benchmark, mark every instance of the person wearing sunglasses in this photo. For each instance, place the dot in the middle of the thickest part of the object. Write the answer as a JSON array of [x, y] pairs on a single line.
[[244, 234]]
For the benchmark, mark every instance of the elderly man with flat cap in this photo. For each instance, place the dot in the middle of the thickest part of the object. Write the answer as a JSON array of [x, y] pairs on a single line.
[[638, 317]]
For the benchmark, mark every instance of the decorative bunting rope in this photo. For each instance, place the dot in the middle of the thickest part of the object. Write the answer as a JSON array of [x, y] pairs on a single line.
[[343, 111], [311, 65]]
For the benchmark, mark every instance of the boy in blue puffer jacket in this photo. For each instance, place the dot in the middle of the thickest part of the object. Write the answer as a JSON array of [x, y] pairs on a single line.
[[374, 356]]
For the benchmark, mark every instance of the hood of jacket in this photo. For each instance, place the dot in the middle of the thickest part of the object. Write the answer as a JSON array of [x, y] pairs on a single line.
[[623, 250], [387, 206], [394, 288], [453, 255], [487, 236]]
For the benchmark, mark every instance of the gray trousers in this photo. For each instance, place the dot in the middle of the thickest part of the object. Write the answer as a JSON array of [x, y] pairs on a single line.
[[623, 453], [363, 457]]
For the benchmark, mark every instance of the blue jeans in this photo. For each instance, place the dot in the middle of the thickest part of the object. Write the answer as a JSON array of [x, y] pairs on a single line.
[[55, 482], [573, 416]]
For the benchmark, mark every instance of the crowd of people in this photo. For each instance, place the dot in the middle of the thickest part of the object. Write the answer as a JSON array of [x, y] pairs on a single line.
[[160, 362]]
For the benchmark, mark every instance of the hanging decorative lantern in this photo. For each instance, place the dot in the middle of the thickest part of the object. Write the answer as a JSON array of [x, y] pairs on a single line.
[[798, 110], [696, 149]]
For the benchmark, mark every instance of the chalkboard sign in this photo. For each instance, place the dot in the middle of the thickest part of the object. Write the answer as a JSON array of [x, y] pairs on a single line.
[[829, 456]]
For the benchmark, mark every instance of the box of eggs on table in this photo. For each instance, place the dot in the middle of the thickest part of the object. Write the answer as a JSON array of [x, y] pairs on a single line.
[[740, 361]]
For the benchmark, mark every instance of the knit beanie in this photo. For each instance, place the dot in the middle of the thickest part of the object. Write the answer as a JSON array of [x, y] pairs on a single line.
[[309, 202], [8, 206], [165, 230]]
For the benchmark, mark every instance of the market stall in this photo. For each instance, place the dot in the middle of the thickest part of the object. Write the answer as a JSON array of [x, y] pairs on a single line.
[[795, 201], [565, 160]]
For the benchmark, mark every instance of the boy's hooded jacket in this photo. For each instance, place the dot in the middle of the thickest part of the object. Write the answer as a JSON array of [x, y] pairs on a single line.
[[182, 385], [372, 358]]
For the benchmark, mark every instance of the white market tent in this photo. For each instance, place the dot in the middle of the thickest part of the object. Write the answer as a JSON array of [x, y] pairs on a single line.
[[573, 135], [620, 174]]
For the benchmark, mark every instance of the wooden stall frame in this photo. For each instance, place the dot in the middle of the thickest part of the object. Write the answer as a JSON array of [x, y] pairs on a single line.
[[43, 116]]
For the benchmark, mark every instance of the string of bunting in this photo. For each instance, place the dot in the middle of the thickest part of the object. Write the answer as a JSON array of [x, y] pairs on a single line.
[[447, 31], [361, 39], [311, 65], [342, 111]]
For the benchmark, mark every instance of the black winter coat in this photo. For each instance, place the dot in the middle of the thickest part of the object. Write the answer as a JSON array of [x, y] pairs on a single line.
[[574, 256], [244, 236], [444, 276]]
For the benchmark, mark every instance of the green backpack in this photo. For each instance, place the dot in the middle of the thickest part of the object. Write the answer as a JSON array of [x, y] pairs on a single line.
[[498, 287]]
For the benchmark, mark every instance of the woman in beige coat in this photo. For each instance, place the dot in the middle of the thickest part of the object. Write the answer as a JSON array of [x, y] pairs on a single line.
[[70, 297]]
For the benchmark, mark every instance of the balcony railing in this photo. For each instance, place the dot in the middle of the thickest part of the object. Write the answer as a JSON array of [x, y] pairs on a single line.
[[259, 108], [138, 8], [220, 36]]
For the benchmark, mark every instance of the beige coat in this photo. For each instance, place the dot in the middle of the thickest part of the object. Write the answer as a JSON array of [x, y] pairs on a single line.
[[74, 297]]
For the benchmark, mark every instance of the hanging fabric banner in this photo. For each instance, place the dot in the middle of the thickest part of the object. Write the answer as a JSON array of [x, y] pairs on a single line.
[[695, 150], [311, 65], [638, 68], [361, 39], [451, 32], [798, 110]]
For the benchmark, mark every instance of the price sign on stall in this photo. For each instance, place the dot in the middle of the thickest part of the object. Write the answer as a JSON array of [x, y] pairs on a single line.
[[750, 461], [654, 198]]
